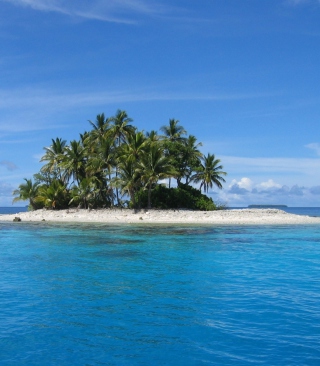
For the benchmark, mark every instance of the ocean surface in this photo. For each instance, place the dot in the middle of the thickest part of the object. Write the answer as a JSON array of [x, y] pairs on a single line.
[[12, 210], [162, 295]]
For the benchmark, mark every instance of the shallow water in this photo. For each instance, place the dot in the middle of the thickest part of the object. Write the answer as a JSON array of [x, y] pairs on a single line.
[[115, 295]]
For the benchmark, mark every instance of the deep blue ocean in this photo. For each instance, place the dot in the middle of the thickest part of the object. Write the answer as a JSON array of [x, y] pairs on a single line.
[[159, 295], [12, 210]]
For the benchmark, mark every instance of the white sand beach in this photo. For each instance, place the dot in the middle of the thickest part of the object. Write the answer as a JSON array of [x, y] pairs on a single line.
[[124, 216]]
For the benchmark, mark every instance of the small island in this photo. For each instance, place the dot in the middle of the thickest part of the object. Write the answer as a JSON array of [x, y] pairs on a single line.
[[268, 206], [114, 165]]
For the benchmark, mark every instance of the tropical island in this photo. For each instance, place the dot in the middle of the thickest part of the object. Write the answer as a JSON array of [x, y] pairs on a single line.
[[114, 171], [114, 165]]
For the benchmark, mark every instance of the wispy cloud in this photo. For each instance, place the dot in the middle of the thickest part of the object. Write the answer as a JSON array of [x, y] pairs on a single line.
[[299, 166], [302, 2], [32, 100], [9, 165], [31, 97], [118, 11], [314, 146], [297, 2]]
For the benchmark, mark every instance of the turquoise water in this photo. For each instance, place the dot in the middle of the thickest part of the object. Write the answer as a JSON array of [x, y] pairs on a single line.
[[133, 295]]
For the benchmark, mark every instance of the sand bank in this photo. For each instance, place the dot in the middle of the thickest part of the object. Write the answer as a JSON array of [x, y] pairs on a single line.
[[118, 216]]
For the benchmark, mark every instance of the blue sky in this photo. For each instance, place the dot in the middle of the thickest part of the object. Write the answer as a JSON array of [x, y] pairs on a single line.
[[241, 75]]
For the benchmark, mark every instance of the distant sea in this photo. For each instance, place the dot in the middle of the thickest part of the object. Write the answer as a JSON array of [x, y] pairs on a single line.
[[12, 210]]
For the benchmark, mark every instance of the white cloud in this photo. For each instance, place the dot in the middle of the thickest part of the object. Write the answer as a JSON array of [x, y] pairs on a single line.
[[118, 11], [245, 183], [31, 97], [314, 146], [269, 184], [245, 191]]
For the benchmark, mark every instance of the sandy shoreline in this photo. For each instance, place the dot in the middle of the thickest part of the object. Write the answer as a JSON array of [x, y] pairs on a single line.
[[117, 216]]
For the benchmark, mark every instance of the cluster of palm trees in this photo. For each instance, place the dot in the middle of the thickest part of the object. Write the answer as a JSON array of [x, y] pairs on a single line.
[[114, 160]]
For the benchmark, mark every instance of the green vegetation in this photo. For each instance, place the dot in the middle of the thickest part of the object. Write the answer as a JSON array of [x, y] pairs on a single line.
[[184, 196], [114, 161]]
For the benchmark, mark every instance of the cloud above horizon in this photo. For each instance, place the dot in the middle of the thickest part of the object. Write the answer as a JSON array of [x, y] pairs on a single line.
[[245, 191]]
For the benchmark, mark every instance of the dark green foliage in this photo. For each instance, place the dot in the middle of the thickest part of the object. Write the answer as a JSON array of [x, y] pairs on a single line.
[[183, 196]]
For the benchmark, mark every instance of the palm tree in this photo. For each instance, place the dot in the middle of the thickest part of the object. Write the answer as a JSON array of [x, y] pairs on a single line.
[[100, 164], [172, 136], [209, 173], [154, 166], [53, 156], [152, 136], [188, 159], [27, 191], [99, 128], [53, 196], [73, 161], [102, 159], [120, 130], [86, 193], [134, 147], [121, 127], [128, 179], [173, 132]]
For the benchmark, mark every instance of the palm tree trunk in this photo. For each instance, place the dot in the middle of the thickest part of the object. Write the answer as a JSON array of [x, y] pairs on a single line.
[[149, 196], [117, 191], [133, 200], [112, 198]]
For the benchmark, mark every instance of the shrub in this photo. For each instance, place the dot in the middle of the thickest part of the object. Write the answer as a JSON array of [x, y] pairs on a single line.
[[183, 196]]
